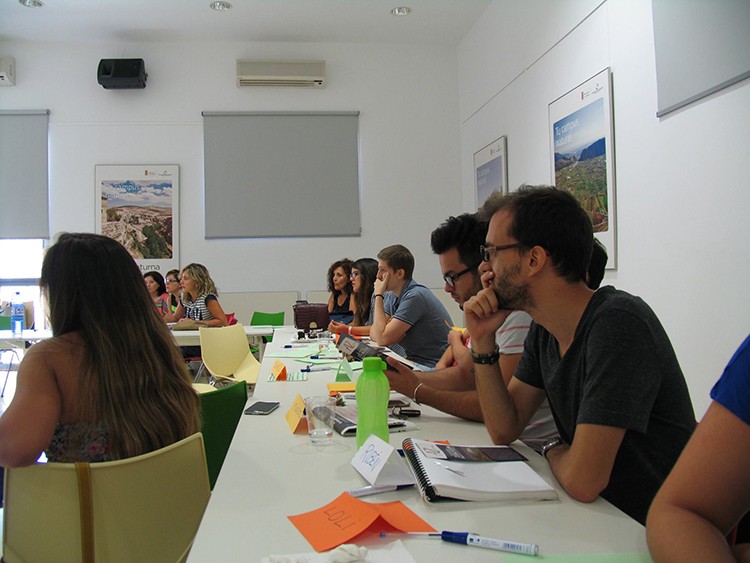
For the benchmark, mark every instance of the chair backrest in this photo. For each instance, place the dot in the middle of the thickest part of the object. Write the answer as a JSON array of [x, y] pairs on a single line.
[[223, 348], [272, 319], [221, 411], [145, 508]]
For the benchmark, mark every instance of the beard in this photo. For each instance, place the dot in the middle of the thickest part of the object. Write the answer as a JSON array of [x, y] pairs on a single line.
[[512, 295]]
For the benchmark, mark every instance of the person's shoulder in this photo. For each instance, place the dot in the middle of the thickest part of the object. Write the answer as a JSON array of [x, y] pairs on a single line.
[[69, 343], [608, 298], [517, 318]]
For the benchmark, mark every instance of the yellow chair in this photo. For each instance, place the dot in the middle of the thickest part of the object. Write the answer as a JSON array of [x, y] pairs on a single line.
[[146, 508], [226, 354]]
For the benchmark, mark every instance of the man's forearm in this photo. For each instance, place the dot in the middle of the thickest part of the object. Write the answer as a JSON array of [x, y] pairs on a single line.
[[448, 379], [463, 404], [379, 319], [499, 411]]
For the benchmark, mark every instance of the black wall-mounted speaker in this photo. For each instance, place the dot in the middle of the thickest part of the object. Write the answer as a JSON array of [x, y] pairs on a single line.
[[114, 74]]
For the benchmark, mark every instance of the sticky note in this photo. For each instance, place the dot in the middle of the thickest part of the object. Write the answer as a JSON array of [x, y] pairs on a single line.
[[346, 517]]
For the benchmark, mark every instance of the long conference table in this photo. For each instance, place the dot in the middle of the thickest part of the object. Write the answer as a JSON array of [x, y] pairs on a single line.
[[270, 473], [182, 337]]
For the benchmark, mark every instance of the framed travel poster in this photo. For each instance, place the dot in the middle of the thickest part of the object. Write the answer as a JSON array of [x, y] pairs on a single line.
[[137, 206], [490, 170], [583, 155]]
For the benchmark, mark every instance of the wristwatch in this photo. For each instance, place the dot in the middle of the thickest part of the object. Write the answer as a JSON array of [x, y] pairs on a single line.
[[549, 444]]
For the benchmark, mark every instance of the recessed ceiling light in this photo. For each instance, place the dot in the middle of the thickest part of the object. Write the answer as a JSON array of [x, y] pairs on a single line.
[[220, 6], [31, 3], [401, 11]]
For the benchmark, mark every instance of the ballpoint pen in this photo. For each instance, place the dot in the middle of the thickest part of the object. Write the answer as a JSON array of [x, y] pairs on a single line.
[[474, 540], [375, 489], [321, 368]]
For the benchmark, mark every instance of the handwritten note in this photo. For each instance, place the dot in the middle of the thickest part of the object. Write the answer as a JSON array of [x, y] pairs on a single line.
[[295, 416], [346, 517], [380, 463]]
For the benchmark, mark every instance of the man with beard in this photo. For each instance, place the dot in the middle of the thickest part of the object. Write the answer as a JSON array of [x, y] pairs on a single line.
[[451, 387], [602, 359]]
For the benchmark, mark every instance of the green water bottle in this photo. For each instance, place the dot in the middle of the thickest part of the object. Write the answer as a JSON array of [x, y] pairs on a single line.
[[372, 391]]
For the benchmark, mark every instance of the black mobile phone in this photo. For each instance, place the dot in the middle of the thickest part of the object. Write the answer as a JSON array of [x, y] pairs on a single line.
[[262, 407]]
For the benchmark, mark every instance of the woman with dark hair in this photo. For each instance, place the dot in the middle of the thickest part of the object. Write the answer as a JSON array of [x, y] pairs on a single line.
[[110, 383], [172, 283], [364, 272], [340, 307], [158, 292]]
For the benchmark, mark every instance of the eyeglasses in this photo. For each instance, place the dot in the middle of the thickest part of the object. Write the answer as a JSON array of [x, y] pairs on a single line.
[[451, 279], [167, 280], [354, 275], [487, 252]]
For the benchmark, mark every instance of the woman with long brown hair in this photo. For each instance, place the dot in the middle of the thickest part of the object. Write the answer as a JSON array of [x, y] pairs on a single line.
[[110, 383]]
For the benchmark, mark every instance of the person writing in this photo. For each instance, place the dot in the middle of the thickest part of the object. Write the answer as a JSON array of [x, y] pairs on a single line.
[[362, 277], [708, 491], [340, 306], [602, 359], [71, 385]]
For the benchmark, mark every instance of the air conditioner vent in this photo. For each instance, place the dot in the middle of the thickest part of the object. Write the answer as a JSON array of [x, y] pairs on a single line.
[[305, 74]]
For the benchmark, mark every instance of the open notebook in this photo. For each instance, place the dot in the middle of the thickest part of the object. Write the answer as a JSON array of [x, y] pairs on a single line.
[[474, 473]]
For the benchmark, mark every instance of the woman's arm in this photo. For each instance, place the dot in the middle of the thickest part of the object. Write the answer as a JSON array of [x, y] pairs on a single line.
[[177, 315], [28, 423], [706, 493], [218, 314]]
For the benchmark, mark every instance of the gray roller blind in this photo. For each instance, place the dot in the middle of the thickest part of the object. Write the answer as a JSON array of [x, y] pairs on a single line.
[[701, 47], [281, 174], [24, 185]]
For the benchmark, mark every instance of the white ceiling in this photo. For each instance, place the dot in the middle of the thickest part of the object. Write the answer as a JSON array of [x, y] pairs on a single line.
[[432, 22]]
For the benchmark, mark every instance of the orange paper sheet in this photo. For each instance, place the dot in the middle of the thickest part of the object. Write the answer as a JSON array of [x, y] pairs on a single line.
[[347, 517]]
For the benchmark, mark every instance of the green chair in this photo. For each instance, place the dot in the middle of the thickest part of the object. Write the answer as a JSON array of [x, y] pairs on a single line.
[[266, 319], [220, 413]]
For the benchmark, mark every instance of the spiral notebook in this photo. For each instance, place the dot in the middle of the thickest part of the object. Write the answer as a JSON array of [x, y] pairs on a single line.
[[474, 473]]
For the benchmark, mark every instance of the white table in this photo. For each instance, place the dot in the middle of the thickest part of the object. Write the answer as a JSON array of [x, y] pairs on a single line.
[[270, 474], [192, 337], [10, 340]]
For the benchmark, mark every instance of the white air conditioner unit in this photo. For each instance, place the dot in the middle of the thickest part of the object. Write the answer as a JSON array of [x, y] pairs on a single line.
[[7, 71], [311, 74]]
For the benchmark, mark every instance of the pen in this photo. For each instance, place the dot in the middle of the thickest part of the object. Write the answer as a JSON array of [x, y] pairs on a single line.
[[373, 490], [321, 368], [475, 540]]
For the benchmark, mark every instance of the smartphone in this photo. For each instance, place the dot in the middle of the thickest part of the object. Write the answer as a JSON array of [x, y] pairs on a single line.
[[262, 407]]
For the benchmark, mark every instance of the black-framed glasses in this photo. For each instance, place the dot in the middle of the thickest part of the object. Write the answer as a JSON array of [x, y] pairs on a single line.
[[450, 279], [167, 280], [487, 252], [354, 275]]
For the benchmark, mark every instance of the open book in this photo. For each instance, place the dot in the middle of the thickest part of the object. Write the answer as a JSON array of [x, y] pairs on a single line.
[[474, 473], [359, 350]]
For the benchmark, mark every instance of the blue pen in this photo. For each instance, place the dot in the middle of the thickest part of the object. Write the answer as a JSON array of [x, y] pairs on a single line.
[[475, 540], [309, 369]]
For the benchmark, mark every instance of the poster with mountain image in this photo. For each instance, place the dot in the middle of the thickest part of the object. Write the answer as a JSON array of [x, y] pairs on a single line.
[[582, 153], [137, 207]]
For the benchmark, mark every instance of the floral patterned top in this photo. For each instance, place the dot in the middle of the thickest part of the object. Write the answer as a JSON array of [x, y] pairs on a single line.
[[80, 441]]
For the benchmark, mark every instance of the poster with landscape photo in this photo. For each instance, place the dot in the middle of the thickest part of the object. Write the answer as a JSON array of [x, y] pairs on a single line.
[[582, 154], [137, 206], [491, 170]]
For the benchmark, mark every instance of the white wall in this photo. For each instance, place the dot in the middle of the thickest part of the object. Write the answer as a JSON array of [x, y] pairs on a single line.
[[683, 181], [409, 142]]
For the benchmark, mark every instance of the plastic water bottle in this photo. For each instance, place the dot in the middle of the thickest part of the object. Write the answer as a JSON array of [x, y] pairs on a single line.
[[17, 314], [373, 391]]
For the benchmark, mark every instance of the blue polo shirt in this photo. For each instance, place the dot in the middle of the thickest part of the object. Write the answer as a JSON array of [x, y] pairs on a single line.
[[417, 306]]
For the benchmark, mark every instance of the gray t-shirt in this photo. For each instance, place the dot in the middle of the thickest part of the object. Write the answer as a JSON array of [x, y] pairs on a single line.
[[430, 323], [620, 371]]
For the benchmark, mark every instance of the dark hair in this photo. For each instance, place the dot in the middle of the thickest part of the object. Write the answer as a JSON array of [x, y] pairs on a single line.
[[144, 404], [398, 257], [159, 279], [465, 233], [368, 271], [597, 263], [346, 265], [551, 218]]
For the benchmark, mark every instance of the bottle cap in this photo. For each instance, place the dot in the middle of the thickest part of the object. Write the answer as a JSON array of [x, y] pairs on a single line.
[[373, 363]]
